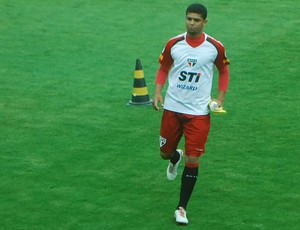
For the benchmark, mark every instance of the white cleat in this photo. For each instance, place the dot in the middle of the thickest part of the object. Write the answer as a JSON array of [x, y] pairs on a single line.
[[180, 216], [172, 169]]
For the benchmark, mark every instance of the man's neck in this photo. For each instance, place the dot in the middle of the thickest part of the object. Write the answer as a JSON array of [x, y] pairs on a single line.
[[195, 41], [194, 35]]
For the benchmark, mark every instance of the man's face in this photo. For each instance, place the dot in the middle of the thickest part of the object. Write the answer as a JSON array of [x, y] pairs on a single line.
[[194, 24]]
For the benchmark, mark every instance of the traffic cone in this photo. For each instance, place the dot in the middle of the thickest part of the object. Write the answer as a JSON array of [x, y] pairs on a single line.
[[140, 94]]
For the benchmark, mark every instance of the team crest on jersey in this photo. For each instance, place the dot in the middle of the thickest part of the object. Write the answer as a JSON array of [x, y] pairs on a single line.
[[162, 141], [191, 62]]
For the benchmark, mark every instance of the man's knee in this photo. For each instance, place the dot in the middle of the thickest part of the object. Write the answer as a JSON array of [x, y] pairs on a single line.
[[165, 156], [192, 161]]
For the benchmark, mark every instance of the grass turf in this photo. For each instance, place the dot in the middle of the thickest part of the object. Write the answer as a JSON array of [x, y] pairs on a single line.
[[75, 156]]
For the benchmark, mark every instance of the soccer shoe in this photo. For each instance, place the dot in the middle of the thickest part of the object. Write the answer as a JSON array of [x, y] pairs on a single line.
[[180, 216], [172, 169]]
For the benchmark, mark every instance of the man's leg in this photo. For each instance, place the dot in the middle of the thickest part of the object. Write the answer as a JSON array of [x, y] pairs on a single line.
[[188, 180], [174, 157], [196, 132], [170, 134]]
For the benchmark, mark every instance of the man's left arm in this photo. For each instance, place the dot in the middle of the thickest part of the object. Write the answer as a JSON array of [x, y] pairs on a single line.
[[222, 83]]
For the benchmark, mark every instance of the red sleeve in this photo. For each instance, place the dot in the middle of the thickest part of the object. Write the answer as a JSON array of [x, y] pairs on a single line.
[[223, 78], [166, 61], [161, 75], [222, 63]]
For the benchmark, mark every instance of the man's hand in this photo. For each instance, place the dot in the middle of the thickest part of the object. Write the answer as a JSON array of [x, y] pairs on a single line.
[[158, 99]]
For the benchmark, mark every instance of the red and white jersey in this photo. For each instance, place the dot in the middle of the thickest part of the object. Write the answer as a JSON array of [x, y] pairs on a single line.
[[191, 73]]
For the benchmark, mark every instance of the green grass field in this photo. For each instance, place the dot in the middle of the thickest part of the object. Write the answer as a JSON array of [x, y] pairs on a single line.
[[74, 155]]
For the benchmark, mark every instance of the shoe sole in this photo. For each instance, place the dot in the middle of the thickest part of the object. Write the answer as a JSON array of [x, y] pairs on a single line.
[[178, 223]]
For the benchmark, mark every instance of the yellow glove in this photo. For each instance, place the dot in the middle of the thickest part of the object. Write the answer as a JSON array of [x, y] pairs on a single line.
[[216, 109]]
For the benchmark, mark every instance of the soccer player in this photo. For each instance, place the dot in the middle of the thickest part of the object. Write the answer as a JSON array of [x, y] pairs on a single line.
[[188, 61]]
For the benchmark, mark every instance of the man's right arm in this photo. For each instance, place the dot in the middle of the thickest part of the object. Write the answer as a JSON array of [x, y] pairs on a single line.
[[166, 62], [161, 78], [158, 99]]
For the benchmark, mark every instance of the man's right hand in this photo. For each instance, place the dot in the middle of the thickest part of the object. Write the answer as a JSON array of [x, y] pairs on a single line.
[[158, 99]]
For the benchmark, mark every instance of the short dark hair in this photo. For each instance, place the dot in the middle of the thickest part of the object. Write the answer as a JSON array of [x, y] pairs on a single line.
[[197, 8]]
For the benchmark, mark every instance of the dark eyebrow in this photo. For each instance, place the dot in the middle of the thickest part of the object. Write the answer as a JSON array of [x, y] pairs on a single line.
[[195, 18], [190, 18]]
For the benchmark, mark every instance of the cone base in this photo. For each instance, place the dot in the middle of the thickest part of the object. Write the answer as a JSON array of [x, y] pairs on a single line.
[[139, 103]]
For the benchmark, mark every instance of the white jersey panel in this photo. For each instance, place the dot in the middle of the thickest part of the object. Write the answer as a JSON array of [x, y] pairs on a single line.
[[190, 78]]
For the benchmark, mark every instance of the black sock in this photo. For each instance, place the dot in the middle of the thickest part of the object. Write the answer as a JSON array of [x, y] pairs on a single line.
[[175, 158], [188, 181]]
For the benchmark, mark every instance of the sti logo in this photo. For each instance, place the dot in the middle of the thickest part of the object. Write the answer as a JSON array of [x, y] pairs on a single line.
[[191, 62]]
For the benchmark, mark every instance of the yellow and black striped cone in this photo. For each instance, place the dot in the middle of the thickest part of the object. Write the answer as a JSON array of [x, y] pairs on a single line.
[[140, 94]]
